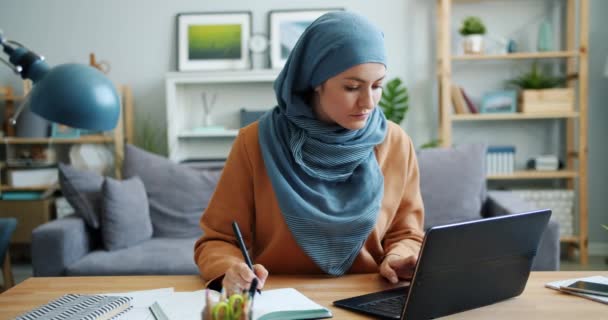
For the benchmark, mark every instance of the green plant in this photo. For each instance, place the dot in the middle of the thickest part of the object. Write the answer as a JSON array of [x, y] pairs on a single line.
[[605, 226], [472, 25], [394, 101], [431, 144], [535, 79], [149, 137]]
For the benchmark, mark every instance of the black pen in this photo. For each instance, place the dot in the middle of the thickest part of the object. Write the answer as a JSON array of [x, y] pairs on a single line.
[[239, 239]]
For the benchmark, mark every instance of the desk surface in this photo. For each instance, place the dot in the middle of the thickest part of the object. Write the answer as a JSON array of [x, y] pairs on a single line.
[[536, 302]]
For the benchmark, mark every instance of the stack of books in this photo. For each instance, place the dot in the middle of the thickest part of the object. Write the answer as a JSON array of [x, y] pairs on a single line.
[[500, 160]]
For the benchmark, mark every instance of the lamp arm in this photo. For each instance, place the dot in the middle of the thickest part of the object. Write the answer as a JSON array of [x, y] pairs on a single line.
[[16, 69], [13, 120], [76, 95], [23, 61]]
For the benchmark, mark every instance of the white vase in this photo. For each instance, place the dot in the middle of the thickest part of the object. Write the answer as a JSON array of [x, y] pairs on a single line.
[[473, 44]]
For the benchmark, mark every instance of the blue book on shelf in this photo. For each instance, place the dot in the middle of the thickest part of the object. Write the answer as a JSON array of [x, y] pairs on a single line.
[[501, 149], [21, 195]]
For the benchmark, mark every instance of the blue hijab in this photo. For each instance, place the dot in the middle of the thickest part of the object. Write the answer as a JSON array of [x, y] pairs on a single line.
[[326, 178]]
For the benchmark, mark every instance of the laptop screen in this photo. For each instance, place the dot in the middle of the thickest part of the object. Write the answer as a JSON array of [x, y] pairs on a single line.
[[490, 259]]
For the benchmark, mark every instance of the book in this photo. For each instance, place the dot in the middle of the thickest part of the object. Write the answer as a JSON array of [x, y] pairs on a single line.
[[284, 304], [81, 307], [472, 107], [460, 106], [21, 195], [597, 279]]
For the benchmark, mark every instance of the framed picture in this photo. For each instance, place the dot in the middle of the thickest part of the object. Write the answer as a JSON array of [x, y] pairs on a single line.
[[499, 101], [63, 131], [213, 40], [286, 27]]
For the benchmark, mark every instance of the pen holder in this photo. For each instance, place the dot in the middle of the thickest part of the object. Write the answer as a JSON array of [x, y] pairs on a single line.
[[218, 306]]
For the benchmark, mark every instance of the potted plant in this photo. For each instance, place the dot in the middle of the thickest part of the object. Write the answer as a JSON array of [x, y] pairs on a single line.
[[472, 30], [394, 101], [540, 92]]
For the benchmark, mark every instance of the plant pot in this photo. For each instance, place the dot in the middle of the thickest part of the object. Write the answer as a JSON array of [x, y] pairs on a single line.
[[547, 100], [473, 44]]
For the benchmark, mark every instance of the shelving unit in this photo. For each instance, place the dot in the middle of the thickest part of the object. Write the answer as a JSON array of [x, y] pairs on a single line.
[[234, 90], [32, 213], [576, 58]]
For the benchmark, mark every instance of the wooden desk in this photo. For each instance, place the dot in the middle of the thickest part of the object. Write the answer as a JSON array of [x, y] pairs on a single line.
[[536, 302]]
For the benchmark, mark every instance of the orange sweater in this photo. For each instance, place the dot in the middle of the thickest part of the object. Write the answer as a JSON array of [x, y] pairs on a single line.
[[244, 193]]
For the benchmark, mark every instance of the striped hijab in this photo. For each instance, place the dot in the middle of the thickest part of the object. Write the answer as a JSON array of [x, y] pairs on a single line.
[[325, 177]]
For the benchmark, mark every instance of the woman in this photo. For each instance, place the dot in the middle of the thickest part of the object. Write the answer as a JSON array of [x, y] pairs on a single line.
[[323, 183]]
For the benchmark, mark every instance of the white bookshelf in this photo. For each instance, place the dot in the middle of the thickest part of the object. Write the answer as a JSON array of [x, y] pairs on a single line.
[[234, 90]]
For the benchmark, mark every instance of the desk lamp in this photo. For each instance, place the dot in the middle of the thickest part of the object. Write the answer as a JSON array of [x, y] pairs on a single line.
[[76, 95]]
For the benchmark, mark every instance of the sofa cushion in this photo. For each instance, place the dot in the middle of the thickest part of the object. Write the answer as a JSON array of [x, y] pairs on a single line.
[[157, 256], [82, 190], [177, 195], [125, 218], [453, 183]]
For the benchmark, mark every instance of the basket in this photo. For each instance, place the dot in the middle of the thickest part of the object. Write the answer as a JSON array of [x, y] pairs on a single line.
[[560, 201]]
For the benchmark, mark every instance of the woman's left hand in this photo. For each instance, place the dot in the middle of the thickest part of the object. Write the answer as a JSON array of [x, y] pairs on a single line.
[[395, 267]]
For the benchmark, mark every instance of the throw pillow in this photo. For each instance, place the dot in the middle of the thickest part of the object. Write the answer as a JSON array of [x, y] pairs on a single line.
[[453, 183], [177, 194], [125, 218], [82, 190]]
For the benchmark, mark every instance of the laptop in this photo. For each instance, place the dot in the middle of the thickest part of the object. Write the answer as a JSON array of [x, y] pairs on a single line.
[[461, 267]]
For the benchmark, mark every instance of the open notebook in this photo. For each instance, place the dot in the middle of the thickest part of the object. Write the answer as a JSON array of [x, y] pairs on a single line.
[[286, 303]]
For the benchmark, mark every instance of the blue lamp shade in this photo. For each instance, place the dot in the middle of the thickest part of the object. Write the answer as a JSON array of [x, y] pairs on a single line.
[[77, 95]]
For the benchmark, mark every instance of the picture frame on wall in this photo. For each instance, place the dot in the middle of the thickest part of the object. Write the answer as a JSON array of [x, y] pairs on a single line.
[[213, 40], [286, 27], [501, 101]]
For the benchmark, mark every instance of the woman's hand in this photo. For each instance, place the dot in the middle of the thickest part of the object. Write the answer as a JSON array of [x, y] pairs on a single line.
[[238, 277], [395, 267]]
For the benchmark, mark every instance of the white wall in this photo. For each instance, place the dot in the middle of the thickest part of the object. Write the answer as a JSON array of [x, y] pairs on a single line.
[[137, 37], [598, 130]]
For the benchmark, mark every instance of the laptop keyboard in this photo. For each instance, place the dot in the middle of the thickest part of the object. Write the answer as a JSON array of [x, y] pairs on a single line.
[[392, 305]]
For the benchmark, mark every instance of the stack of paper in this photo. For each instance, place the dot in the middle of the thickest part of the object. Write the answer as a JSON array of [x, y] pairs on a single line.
[[141, 302]]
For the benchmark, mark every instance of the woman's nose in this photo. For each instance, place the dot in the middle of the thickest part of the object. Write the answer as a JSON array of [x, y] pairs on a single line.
[[366, 99]]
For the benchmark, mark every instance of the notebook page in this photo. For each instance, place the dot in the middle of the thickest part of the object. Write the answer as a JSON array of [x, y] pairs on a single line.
[[141, 301], [286, 299], [183, 305]]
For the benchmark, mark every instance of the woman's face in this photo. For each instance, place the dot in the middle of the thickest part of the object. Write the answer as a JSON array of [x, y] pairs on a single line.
[[348, 98]]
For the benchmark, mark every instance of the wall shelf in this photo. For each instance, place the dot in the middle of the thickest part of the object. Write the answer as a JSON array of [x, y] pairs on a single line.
[[255, 75], [5, 188], [512, 116], [82, 139], [517, 55], [523, 175], [569, 239], [229, 133]]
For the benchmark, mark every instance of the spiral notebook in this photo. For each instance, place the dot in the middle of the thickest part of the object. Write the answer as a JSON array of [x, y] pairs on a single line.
[[77, 306]]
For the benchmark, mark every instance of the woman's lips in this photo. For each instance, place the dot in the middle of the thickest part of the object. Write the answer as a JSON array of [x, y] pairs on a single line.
[[360, 116]]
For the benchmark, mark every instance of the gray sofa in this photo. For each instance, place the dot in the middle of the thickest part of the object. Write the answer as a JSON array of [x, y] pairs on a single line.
[[453, 190]]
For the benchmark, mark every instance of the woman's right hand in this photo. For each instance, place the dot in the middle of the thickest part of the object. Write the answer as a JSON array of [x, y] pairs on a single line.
[[238, 277]]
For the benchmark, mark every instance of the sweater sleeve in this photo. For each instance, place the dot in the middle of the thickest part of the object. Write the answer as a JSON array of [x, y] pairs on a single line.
[[405, 234], [232, 200]]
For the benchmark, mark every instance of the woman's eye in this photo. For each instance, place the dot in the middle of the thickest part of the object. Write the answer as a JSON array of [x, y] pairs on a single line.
[[351, 88]]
